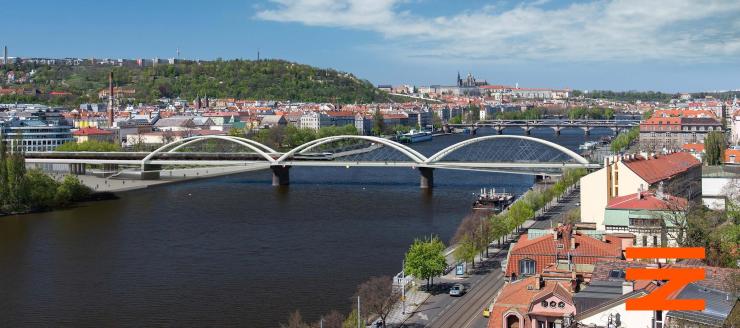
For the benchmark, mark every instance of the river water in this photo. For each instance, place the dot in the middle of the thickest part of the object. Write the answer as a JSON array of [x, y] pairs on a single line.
[[231, 251]]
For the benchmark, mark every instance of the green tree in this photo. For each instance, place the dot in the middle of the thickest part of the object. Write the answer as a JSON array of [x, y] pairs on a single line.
[[714, 148], [378, 123], [436, 121], [466, 250], [42, 190], [351, 321], [91, 145], [456, 120], [425, 259]]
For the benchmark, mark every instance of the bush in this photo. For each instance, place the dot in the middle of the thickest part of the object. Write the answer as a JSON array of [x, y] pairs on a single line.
[[99, 146]]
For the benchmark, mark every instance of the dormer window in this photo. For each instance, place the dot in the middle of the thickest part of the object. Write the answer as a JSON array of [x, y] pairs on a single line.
[[561, 304], [544, 304], [527, 267]]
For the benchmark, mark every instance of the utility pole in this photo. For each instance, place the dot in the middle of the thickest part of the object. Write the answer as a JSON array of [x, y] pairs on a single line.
[[359, 317]]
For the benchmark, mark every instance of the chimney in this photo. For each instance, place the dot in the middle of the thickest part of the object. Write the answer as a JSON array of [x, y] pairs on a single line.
[[628, 287], [538, 282], [572, 242], [110, 100]]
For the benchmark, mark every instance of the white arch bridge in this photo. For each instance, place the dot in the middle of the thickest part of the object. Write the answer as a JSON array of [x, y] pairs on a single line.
[[506, 153]]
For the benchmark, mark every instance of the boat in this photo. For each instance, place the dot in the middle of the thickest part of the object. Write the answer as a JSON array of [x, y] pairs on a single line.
[[414, 136], [588, 145], [490, 200]]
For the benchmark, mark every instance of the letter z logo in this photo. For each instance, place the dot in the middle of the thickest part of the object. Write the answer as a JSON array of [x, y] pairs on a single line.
[[663, 298]]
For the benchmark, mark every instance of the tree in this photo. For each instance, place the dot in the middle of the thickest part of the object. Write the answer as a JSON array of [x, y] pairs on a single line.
[[425, 259], [499, 228], [91, 145], [436, 121], [466, 250], [334, 320], [378, 296], [456, 120], [378, 123], [714, 148], [352, 318], [295, 320]]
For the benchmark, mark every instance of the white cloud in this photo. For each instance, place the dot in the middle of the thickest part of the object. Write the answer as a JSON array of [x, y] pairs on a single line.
[[608, 30]]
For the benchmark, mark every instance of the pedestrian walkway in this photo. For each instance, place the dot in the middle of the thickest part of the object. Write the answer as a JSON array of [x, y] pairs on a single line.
[[414, 298]]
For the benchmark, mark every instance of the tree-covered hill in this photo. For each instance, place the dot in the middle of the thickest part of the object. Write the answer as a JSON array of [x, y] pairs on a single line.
[[241, 79]]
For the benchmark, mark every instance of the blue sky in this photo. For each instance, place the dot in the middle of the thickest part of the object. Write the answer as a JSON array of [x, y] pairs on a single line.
[[682, 45]]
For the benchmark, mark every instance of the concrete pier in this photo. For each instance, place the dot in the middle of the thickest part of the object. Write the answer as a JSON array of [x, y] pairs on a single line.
[[427, 177], [280, 175], [150, 172]]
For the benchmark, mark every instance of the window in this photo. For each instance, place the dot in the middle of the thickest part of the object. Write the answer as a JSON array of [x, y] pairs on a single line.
[[544, 304], [644, 240], [655, 240], [616, 274], [553, 304], [527, 267], [561, 304]]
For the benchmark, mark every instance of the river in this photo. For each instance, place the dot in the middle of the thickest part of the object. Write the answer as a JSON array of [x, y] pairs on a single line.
[[231, 251]]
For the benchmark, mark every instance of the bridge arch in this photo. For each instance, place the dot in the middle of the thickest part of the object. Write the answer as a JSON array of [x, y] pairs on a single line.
[[249, 141], [406, 150], [444, 152], [253, 145]]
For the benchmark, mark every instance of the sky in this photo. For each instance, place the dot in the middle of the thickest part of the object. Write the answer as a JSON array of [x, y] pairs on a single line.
[[661, 45]]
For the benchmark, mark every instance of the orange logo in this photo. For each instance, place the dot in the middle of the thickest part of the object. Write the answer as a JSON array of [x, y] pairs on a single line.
[[663, 298]]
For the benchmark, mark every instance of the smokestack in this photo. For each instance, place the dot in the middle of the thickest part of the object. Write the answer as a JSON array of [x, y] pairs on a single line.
[[110, 100], [5, 56]]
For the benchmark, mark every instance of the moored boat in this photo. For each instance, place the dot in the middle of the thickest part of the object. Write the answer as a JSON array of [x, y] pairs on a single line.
[[490, 200]]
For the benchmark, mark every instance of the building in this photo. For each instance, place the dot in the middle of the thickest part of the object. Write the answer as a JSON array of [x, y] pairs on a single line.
[[364, 124], [654, 218], [93, 134], [271, 121], [533, 302], [538, 249], [33, 134], [718, 183], [628, 174], [341, 118], [177, 123], [671, 133]]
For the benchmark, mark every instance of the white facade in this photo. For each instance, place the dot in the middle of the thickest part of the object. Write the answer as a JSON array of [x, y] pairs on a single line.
[[314, 121], [715, 190], [615, 179], [631, 319]]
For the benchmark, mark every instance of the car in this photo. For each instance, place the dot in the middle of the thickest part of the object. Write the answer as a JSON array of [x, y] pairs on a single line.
[[457, 290], [487, 311]]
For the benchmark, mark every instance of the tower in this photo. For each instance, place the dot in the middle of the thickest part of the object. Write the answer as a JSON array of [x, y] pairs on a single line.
[[5, 56], [110, 100], [459, 80]]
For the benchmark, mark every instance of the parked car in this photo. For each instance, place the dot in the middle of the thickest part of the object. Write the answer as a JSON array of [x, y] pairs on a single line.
[[457, 290], [487, 311]]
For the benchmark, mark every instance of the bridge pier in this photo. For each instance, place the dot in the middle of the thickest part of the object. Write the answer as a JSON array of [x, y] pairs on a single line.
[[427, 177], [280, 175], [499, 130], [150, 171], [557, 130], [527, 130], [588, 130]]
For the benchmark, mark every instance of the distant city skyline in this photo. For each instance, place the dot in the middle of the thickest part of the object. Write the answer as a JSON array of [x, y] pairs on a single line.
[[684, 46]]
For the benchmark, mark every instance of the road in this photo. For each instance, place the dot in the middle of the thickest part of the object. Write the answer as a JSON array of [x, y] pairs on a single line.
[[442, 310]]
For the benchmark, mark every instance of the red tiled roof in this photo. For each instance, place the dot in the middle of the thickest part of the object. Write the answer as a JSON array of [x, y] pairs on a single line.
[[663, 167], [544, 250], [647, 201], [91, 132], [695, 147], [732, 156]]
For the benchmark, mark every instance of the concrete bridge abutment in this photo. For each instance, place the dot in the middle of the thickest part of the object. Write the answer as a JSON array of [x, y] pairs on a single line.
[[280, 175], [427, 177]]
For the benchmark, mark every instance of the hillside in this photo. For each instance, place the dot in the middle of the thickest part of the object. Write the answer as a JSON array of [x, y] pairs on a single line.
[[241, 79]]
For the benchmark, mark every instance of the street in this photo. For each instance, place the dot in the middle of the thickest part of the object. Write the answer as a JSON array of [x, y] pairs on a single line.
[[482, 284]]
